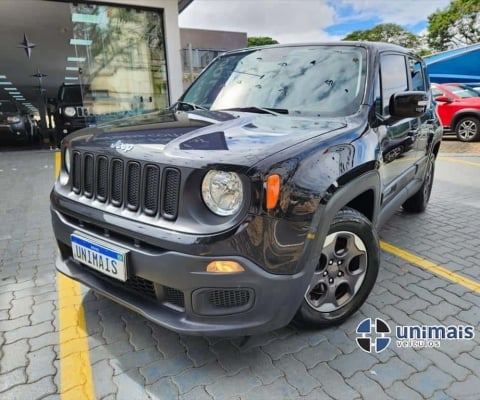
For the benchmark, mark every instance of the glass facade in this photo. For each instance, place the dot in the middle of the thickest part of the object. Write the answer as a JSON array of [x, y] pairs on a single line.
[[118, 64]]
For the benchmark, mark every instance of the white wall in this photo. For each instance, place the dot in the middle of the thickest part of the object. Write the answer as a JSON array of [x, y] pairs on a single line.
[[172, 39]]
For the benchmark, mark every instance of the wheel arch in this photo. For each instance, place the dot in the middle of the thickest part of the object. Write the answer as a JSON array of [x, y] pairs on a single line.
[[467, 112], [364, 203], [363, 193], [360, 190]]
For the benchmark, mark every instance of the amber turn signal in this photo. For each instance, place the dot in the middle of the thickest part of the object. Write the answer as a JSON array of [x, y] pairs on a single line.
[[224, 266], [273, 191]]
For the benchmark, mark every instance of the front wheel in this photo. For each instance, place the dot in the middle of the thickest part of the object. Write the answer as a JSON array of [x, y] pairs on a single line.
[[468, 129], [346, 271]]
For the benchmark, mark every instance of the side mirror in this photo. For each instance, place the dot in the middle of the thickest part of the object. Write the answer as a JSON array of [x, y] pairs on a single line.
[[408, 104], [444, 99]]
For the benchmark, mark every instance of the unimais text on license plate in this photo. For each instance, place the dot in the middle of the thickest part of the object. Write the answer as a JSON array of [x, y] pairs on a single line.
[[103, 257]]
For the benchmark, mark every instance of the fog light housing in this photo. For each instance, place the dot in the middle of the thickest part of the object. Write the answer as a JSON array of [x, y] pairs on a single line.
[[225, 267]]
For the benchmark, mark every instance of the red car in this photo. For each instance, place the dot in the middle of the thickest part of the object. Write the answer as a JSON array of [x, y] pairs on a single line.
[[458, 107]]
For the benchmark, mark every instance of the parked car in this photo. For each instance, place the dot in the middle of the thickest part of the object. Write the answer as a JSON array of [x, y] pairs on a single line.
[[33, 128], [257, 198], [71, 112], [13, 125], [459, 110]]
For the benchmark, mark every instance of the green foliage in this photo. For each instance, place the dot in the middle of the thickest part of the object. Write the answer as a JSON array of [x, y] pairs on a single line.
[[455, 26], [260, 41], [389, 33]]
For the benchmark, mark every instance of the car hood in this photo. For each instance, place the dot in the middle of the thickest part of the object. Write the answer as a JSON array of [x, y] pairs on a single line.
[[201, 138]]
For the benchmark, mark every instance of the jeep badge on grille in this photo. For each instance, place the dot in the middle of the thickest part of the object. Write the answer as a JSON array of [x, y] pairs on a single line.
[[119, 145]]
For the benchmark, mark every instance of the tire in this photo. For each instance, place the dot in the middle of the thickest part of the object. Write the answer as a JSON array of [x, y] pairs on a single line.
[[28, 139], [345, 274], [468, 129], [418, 202]]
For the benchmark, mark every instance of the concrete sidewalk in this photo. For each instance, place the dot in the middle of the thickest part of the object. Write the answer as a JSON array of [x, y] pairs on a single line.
[[452, 145]]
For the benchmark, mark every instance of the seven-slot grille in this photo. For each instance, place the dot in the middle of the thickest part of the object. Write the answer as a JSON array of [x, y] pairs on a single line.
[[131, 184], [82, 111]]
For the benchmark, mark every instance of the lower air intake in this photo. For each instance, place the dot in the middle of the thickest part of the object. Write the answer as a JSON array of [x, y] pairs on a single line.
[[222, 301]]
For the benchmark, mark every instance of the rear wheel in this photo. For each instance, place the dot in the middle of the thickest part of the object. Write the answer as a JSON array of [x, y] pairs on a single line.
[[468, 129], [345, 273]]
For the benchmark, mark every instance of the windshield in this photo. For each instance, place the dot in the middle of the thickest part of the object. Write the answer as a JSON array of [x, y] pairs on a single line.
[[73, 94], [7, 107], [323, 80], [462, 91]]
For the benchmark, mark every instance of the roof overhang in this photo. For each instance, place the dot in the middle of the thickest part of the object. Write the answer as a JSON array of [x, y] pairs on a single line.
[[183, 4], [457, 65]]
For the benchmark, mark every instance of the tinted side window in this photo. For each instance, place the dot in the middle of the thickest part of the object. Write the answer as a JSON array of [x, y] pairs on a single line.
[[393, 76], [417, 74], [378, 96]]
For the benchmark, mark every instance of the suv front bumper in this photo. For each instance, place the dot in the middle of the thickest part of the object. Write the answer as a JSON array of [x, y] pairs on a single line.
[[13, 132], [174, 290]]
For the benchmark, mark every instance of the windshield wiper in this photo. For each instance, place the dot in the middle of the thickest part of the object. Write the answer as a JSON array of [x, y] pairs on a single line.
[[192, 106], [260, 110]]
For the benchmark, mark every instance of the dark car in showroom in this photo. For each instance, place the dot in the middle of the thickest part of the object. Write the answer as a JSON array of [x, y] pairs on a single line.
[[257, 197], [458, 107], [71, 112], [14, 127]]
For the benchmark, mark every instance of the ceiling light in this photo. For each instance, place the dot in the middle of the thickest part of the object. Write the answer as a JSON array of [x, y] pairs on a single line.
[[71, 68], [71, 78], [76, 59], [86, 18], [14, 93], [3, 77], [80, 42], [8, 89], [5, 83]]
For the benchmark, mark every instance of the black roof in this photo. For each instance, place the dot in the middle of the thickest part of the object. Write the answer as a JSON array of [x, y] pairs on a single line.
[[376, 46]]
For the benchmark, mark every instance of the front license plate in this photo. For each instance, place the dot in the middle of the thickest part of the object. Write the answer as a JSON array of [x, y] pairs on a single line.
[[103, 257]]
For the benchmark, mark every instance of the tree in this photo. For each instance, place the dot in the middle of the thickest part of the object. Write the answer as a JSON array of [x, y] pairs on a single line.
[[390, 33], [456, 26], [260, 41]]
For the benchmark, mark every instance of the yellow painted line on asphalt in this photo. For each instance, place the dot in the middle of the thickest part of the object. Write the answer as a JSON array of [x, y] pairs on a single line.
[[456, 160], [75, 370], [431, 267], [58, 159]]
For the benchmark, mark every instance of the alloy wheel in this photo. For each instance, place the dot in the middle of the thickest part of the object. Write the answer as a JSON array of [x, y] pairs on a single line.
[[339, 273], [467, 129]]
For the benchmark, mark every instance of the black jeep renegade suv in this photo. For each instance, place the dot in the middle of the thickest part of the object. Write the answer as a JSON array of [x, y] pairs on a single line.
[[256, 199]]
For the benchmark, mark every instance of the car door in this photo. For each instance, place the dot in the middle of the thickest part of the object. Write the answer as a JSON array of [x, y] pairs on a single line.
[[398, 141], [422, 127]]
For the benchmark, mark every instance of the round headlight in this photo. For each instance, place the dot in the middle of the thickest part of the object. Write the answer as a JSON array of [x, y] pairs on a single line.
[[69, 111], [67, 159], [222, 192]]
